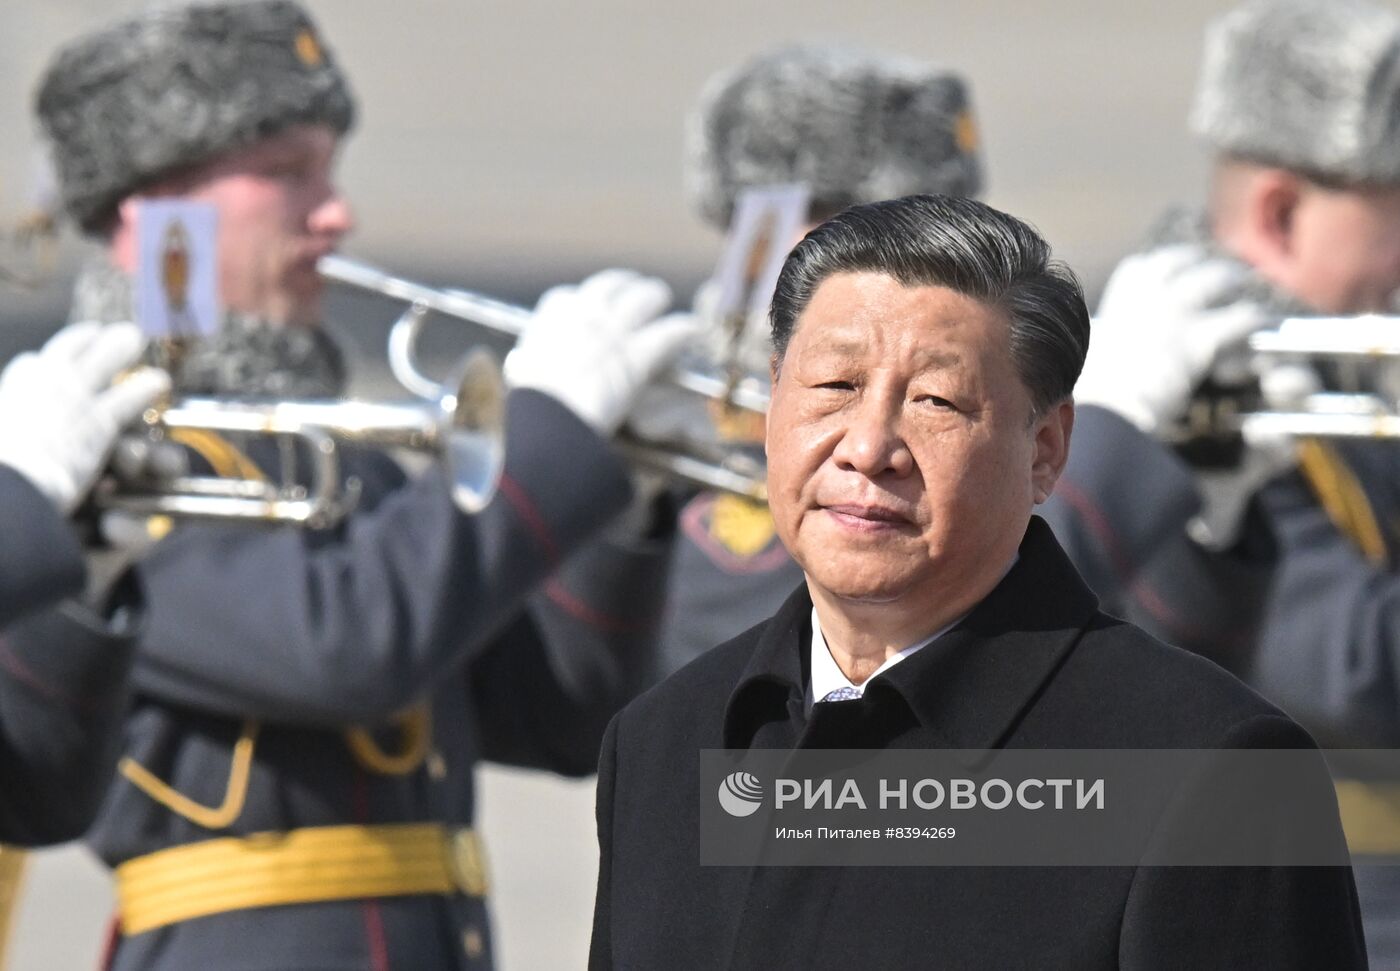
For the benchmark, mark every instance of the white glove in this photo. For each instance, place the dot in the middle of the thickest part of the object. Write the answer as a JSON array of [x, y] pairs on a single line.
[[1164, 321], [596, 345], [60, 413]]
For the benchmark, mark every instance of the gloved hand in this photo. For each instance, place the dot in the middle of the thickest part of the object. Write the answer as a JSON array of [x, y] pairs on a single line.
[[60, 414], [1165, 319], [596, 345]]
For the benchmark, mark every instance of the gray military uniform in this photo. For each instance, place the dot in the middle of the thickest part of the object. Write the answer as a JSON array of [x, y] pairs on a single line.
[[1294, 607], [310, 634], [302, 638], [337, 685], [62, 694]]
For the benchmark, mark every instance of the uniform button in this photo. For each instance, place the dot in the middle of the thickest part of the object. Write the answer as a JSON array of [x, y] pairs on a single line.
[[473, 943], [437, 767]]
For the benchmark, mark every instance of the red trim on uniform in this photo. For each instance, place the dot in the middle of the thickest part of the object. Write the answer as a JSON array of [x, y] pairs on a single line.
[[1180, 627], [109, 946], [376, 942], [1141, 591], [374, 934], [557, 593], [23, 673], [1098, 524], [525, 508]]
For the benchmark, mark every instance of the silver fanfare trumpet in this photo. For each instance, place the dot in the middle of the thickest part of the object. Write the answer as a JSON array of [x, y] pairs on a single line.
[[464, 428], [1306, 377], [460, 421], [1363, 355], [692, 463]]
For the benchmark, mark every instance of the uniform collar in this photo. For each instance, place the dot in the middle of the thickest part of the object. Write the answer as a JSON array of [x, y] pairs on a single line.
[[968, 687]]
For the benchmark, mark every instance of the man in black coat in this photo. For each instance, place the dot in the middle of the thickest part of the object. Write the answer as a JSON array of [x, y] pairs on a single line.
[[925, 353]]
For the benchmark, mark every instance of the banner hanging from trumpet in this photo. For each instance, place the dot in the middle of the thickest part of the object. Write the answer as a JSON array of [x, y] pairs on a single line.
[[177, 283]]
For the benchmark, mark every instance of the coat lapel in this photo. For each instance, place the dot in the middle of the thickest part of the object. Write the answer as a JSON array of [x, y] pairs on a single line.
[[765, 710], [972, 685], [969, 687]]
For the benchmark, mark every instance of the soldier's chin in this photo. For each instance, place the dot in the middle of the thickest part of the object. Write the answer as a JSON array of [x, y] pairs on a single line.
[[306, 314], [289, 313], [303, 303]]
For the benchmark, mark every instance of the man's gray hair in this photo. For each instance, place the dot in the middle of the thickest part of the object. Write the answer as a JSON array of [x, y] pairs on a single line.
[[963, 245]]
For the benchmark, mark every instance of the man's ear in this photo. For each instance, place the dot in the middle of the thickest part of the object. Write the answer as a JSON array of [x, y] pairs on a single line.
[[121, 238], [1052, 434], [1271, 210], [126, 210]]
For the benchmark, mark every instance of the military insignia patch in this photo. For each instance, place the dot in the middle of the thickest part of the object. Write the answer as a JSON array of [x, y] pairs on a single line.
[[735, 534], [308, 48], [743, 527], [965, 133]]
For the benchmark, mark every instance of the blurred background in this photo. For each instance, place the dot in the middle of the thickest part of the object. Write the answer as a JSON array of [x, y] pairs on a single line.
[[509, 146]]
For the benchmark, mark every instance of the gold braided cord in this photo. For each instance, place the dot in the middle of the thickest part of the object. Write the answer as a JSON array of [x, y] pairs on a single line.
[[13, 864], [416, 726], [209, 817], [1343, 498], [227, 461]]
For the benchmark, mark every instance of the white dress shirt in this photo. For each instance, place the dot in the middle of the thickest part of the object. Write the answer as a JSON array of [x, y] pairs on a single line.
[[827, 675]]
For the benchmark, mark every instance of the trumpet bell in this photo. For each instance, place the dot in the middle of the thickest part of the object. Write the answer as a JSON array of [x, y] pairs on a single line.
[[475, 441]]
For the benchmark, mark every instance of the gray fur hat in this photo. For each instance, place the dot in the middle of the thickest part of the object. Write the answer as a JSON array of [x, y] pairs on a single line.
[[854, 126], [175, 86], [1307, 85]]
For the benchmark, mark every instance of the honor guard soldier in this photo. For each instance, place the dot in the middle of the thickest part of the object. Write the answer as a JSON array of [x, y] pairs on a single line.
[[63, 696], [297, 787], [852, 126], [1289, 573]]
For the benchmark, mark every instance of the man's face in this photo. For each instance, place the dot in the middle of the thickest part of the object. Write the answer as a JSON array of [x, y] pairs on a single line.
[[1346, 257], [902, 456], [279, 212]]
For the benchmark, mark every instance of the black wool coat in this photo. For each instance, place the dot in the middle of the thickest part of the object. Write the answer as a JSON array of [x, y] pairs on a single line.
[[1035, 665]]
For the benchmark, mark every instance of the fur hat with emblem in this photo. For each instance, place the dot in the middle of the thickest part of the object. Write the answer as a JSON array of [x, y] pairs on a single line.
[[854, 126], [146, 97], [1308, 85]]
